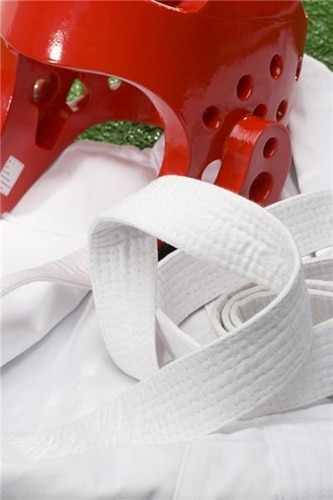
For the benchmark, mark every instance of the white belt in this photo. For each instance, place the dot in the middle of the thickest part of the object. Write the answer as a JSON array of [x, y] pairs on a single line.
[[271, 329]]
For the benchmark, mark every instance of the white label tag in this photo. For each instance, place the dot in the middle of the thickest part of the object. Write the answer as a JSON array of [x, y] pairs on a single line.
[[9, 174]]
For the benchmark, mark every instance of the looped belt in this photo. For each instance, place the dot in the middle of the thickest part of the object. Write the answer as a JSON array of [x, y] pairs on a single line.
[[270, 326]]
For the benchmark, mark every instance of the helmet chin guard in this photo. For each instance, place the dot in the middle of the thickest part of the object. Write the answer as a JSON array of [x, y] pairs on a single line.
[[218, 76]]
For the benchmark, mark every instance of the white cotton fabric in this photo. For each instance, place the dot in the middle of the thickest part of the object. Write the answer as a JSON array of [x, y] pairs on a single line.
[[57, 367], [273, 360]]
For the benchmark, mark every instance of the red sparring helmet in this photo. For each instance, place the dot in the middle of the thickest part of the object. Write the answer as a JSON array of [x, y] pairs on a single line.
[[218, 75]]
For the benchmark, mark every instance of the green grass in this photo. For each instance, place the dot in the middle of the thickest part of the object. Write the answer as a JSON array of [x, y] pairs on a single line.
[[319, 44], [319, 41]]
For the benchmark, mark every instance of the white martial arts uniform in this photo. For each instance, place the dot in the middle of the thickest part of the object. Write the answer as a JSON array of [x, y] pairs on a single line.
[[57, 368]]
